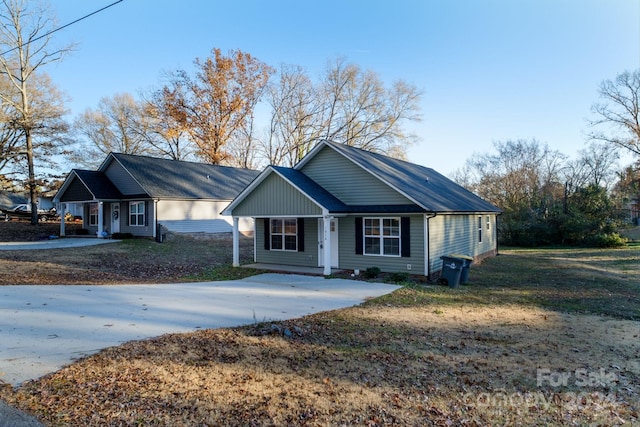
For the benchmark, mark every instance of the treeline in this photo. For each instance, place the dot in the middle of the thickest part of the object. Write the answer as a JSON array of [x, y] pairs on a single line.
[[236, 110], [548, 198]]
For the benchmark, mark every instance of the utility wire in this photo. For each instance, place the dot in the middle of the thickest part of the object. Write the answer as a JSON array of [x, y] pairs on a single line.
[[60, 28]]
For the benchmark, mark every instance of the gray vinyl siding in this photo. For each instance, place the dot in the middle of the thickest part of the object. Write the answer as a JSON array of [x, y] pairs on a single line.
[[122, 179], [349, 182], [276, 197], [307, 258], [458, 234], [138, 230], [76, 192], [350, 260]]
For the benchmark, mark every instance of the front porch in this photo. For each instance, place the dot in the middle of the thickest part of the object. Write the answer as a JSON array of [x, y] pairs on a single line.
[[294, 269]]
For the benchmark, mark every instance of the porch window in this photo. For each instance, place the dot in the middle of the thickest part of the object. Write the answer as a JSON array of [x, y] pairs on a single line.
[[284, 234], [93, 214], [382, 236], [136, 213]]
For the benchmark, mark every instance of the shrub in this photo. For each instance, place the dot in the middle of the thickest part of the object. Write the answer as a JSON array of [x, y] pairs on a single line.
[[605, 240], [399, 277], [120, 236], [372, 272], [82, 232]]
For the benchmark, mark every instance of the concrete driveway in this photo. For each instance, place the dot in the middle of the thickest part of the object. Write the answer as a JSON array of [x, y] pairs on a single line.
[[43, 328]]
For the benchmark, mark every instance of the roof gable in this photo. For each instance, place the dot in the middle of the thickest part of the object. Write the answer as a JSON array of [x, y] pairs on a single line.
[[82, 185], [424, 186]]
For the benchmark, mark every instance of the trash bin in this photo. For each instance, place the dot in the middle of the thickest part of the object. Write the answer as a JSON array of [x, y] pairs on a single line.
[[468, 260], [451, 270], [161, 233]]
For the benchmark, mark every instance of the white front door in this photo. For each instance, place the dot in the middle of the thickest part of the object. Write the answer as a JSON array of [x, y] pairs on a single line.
[[334, 243], [115, 218]]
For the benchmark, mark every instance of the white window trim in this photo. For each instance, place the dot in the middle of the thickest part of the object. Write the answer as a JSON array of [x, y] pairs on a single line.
[[283, 234], [480, 229], [381, 237], [137, 214]]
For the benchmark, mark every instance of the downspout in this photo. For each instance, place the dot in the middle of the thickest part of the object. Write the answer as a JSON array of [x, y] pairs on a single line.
[[155, 219], [427, 252], [497, 241]]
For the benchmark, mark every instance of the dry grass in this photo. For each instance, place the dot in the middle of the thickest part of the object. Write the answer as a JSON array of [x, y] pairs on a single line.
[[492, 353]]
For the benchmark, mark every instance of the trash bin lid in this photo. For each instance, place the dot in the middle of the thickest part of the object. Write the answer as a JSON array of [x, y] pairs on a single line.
[[466, 257]]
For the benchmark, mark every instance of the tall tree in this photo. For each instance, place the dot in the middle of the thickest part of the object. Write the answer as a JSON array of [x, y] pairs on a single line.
[[619, 112], [360, 111], [347, 105], [295, 123], [165, 131], [217, 103], [25, 36], [119, 124]]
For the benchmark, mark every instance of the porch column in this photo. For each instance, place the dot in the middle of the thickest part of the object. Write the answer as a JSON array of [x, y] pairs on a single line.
[[236, 243], [62, 224], [100, 220], [327, 244]]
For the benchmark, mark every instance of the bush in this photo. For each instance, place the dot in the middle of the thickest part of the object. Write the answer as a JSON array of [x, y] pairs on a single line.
[[372, 272], [399, 277], [82, 232], [120, 236], [605, 240]]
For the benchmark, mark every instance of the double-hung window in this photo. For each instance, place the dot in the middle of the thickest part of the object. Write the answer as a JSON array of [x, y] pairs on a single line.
[[136, 213], [284, 234], [382, 236]]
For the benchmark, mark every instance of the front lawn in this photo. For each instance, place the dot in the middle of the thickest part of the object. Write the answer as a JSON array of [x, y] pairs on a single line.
[[539, 337]]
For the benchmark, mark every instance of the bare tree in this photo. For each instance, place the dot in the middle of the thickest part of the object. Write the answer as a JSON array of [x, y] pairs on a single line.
[[10, 135], [296, 117], [118, 125], [361, 112], [619, 113], [25, 38]]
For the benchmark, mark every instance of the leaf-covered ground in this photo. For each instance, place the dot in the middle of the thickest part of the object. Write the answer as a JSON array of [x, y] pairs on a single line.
[[537, 338], [137, 260]]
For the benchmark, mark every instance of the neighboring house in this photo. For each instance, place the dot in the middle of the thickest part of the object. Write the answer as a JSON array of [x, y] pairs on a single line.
[[9, 200], [352, 209], [134, 194]]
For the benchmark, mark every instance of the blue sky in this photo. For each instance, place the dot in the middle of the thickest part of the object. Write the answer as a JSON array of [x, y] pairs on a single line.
[[489, 69]]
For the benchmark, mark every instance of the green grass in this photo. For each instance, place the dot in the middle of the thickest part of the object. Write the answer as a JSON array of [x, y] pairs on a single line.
[[574, 280]]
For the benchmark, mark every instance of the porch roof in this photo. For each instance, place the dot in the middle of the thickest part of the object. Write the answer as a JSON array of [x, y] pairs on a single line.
[[92, 183]]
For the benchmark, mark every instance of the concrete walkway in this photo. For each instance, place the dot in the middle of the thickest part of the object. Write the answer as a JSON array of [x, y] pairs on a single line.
[[65, 242]]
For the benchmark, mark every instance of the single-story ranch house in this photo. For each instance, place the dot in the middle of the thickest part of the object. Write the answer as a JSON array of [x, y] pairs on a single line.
[[134, 194], [352, 209]]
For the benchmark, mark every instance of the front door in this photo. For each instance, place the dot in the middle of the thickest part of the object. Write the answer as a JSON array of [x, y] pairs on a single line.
[[115, 218], [334, 243]]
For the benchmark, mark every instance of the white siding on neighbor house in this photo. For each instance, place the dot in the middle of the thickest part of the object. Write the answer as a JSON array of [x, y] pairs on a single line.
[[195, 216], [122, 179], [459, 234]]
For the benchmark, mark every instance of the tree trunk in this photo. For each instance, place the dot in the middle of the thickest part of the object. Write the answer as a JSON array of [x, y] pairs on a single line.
[[31, 183]]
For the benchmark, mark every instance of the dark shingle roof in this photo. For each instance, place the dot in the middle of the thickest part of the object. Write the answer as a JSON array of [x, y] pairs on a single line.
[[429, 189], [174, 179], [311, 189], [98, 184]]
